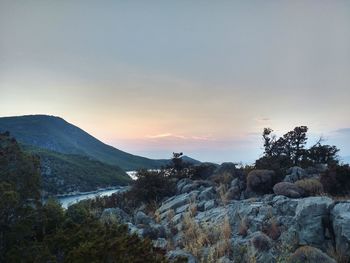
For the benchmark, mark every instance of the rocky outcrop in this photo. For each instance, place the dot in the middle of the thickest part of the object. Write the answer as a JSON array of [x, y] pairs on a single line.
[[312, 216], [340, 217], [266, 228], [288, 189]]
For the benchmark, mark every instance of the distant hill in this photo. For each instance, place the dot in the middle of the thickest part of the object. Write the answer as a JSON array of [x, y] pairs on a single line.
[[56, 134], [65, 173]]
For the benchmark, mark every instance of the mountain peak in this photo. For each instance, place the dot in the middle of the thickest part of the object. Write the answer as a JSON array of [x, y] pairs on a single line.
[[55, 134]]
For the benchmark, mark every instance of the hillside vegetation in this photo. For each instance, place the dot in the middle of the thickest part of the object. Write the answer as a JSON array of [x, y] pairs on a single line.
[[33, 232], [64, 173]]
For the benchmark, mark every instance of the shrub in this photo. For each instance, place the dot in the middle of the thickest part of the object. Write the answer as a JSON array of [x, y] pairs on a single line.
[[260, 181], [272, 229], [202, 171], [243, 227], [336, 180], [261, 242], [311, 187], [309, 255], [152, 186]]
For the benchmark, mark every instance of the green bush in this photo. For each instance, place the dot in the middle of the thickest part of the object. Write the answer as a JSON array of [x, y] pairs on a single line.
[[152, 186]]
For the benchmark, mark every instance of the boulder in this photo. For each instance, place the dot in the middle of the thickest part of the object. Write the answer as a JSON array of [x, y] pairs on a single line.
[[181, 183], [294, 174], [207, 194], [311, 215], [196, 185], [141, 218], [177, 201], [340, 217], [235, 191], [310, 254], [288, 189], [260, 181]]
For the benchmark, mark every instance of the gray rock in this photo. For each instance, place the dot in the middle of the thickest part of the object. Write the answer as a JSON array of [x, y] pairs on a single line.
[[212, 216], [294, 174], [154, 231], [180, 184], [207, 194], [160, 243], [209, 205], [234, 192], [134, 230], [177, 201], [179, 254], [142, 219], [288, 189], [284, 206], [196, 185], [182, 209], [340, 216], [311, 213]]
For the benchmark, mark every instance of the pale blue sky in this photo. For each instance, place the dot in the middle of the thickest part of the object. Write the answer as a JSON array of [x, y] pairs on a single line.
[[203, 77]]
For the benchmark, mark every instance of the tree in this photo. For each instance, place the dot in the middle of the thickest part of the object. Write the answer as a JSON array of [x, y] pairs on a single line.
[[323, 154], [294, 143], [290, 150]]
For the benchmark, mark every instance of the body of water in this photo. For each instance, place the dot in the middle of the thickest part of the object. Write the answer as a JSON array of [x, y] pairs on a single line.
[[72, 199]]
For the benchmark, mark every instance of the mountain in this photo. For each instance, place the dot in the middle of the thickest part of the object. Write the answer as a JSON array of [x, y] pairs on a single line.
[[56, 134], [65, 173]]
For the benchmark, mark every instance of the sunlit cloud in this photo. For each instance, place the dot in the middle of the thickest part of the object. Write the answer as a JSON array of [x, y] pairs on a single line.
[[169, 135]]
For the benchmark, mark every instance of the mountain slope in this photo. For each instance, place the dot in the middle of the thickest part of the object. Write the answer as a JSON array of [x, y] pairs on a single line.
[[55, 134], [64, 173]]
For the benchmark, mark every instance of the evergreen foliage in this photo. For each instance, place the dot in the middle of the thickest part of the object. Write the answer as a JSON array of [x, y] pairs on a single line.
[[32, 232]]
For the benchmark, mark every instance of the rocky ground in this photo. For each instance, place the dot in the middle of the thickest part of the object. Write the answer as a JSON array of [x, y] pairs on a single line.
[[231, 221]]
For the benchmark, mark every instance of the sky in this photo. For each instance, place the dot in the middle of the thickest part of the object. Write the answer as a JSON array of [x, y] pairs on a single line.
[[201, 77]]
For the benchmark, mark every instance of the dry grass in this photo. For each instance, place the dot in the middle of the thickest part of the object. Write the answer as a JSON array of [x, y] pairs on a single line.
[[170, 215], [222, 190], [272, 229], [243, 227], [311, 187], [340, 198], [224, 178], [157, 217], [197, 237]]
